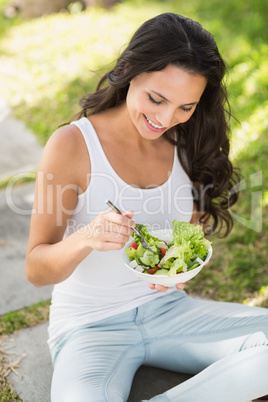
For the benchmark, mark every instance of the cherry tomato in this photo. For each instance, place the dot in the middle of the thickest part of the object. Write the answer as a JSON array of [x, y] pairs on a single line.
[[151, 271], [163, 251], [134, 245]]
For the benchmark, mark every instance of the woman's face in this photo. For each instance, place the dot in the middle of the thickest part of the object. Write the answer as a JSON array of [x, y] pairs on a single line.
[[159, 100]]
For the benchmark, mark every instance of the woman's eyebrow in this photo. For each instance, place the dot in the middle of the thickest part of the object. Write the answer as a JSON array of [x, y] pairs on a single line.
[[163, 97], [189, 104]]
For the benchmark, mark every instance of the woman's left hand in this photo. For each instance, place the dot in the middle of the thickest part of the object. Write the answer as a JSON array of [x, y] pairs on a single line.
[[161, 288]]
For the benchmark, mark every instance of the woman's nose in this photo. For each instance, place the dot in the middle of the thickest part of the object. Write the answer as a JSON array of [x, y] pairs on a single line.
[[167, 118]]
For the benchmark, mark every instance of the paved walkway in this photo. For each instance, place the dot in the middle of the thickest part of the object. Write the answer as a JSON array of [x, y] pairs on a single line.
[[19, 151], [19, 154]]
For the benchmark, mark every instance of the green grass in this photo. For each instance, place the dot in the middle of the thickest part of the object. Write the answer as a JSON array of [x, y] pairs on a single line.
[[24, 318], [7, 393], [16, 181], [239, 269]]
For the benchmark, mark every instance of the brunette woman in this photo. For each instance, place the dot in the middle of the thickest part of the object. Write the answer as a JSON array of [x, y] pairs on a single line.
[[153, 138]]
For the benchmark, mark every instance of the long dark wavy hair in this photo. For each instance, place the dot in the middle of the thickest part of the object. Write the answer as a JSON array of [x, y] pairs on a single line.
[[202, 141]]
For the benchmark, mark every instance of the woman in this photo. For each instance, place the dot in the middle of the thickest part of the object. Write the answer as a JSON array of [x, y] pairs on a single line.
[[153, 139]]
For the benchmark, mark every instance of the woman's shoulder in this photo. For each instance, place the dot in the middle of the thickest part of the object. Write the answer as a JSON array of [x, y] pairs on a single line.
[[65, 151], [65, 145], [66, 138]]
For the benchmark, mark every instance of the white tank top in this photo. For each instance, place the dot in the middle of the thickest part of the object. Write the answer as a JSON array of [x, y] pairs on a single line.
[[101, 286]]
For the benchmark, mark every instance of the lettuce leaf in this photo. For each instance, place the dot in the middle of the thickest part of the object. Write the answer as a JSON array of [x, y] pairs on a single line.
[[184, 232], [151, 240], [188, 245], [192, 235]]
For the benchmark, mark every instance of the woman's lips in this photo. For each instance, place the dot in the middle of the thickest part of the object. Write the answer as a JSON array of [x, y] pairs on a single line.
[[152, 126]]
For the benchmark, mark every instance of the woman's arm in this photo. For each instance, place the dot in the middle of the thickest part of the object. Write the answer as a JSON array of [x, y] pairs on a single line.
[[50, 259]]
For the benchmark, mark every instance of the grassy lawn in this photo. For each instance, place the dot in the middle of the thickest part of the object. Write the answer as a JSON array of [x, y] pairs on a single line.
[[48, 64]]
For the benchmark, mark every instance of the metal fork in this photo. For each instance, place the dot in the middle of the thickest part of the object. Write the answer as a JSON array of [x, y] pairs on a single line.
[[135, 229]]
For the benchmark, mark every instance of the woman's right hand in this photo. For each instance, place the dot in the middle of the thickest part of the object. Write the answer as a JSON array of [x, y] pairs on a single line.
[[109, 230]]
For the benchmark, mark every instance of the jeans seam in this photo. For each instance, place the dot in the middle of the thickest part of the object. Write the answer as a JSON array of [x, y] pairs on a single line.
[[205, 333], [111, 373]]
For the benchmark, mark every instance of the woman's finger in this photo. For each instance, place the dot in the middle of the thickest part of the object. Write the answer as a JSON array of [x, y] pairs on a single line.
[[123, 219], [180, 286]]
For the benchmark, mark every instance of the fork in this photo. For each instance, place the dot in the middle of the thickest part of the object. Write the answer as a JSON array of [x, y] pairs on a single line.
[[135, 229]]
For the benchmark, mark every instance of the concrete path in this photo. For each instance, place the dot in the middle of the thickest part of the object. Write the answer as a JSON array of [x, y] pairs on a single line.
[[15, 208], [19, 154], [33, 378], [19, 149]]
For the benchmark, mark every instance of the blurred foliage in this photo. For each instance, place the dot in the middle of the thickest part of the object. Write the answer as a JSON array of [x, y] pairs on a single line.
[[48, 64]]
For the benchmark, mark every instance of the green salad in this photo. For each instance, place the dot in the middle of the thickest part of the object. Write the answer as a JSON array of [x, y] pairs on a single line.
[[187, 250]]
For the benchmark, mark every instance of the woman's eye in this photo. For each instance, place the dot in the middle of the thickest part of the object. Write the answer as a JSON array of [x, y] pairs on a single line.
[[187, 109], [155, 102]]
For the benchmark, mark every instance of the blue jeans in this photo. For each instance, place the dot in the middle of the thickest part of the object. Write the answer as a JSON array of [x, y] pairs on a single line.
[[224, 344]]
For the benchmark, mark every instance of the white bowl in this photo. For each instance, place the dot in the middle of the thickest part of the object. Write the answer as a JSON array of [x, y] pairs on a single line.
[[164, 234]]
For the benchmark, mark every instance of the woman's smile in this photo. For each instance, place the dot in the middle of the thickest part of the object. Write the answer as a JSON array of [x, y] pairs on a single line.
[[153, 126]]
